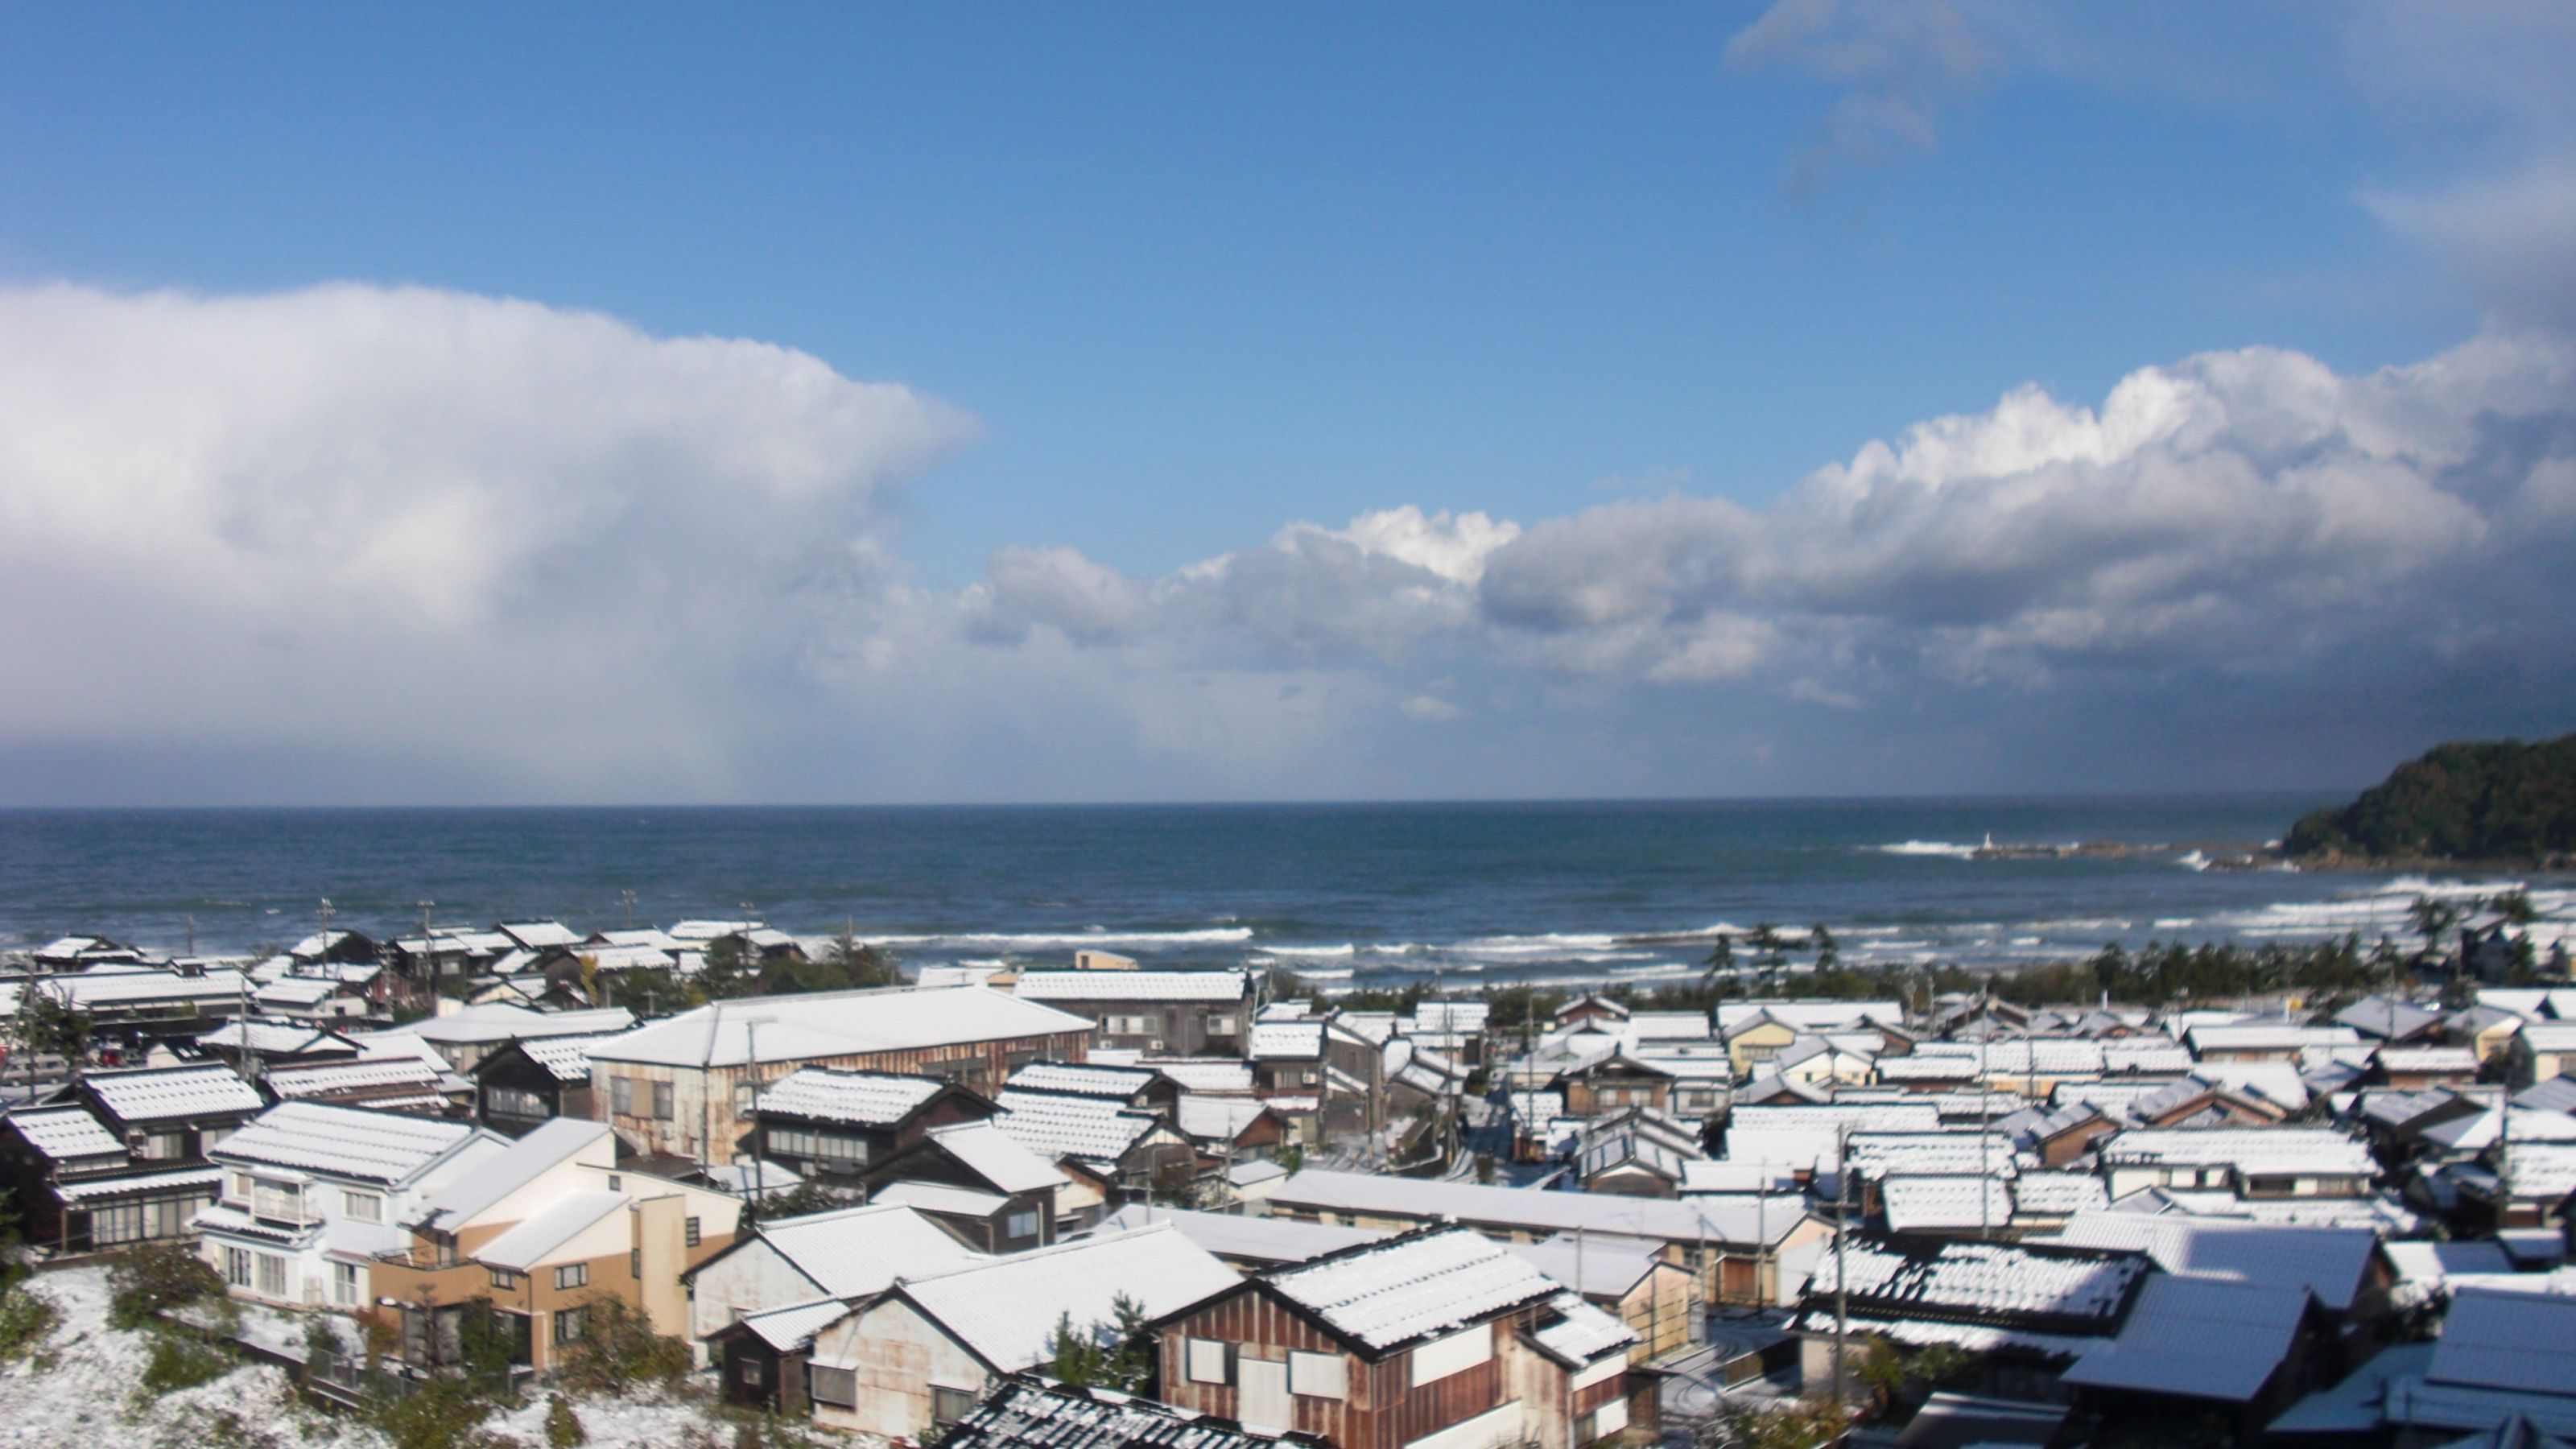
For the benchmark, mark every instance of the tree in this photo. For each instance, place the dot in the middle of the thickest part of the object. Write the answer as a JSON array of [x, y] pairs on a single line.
[[2432, 917], [47, 1024], [1829, 952], [1721, 955]]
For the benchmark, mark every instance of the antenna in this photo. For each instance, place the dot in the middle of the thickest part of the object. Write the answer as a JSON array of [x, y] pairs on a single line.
[[627, 899]]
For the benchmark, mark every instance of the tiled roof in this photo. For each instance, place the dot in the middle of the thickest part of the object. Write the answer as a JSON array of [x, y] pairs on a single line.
[[2268, 1150], [158, 1093], [1921, 1203], [91, 1188], [1204, 1074], [66, 1132], [2075, 1288], [1742, 1218], [1575, 1333], [1092, 1128], [565, 1058], [1082, 1079], [1027, 1415], [870, 1099], [1391, 1293], [325, 1079], [344, 1141], [1287, 1041]]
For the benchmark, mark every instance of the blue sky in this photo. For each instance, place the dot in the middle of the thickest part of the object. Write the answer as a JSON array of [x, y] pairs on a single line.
[[1188, 275]]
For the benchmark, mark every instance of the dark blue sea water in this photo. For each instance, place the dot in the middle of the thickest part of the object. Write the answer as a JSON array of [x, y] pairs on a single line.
[[1344, 893]]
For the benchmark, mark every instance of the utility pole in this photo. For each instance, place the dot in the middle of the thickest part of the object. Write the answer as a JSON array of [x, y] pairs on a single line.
[[1985, 1105], [759, 1139], [627, 899], [429, 946], [1842, 1234]]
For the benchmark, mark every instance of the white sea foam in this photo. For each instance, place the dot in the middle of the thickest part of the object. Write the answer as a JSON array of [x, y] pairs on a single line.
[[1929, 847], [2193, 860], [1062, 940], [1314, 953]]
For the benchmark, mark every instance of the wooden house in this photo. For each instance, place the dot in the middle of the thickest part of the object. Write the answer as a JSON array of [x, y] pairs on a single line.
[[835, 1127]]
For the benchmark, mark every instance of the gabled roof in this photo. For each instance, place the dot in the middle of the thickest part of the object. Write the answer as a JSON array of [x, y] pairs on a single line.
[[1385, 1295], [1095, 1129], [827, 1024], [361, 1075], [156, 1094], [1742, 1218], [66, 1133], [2332, 1263], [998, 1157], [501, 1021], [940, 1197], [867, 1099], [793, 1327], [1083, 1079], [855, 1252], [553, 1142], [565, 1058], [1574, 1333], [1022, 1414], [523, 1247], [2268, 1150], [1205, 1074], [2521, 1342], [2198, 1338], [2386, 1018], [1301, 1041], [1005, 1310], [352, 1142], [2072, 1289], [1264, 1241], [538, 935]]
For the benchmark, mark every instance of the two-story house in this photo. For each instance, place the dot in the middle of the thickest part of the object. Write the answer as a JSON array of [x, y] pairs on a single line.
[[1170, 1013], [835, 1127], [312, 1195], [1440, 1339]]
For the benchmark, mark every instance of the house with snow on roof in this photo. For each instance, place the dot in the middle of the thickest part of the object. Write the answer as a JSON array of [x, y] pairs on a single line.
[[686, 1086], [1437, 1338], [543, 1231], [1028, 1193], [1173, 1013], [535, 1079], [924, 1351], [312, 1195], [837, 1127], [121, 1157], [806, 1270]]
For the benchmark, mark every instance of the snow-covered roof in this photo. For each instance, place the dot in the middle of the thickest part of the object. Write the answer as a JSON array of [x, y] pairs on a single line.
[[2057, 1194], [855, 1252], [523, 1247], [1082, 1079], [1218, 1119], [2382, 1016], [278, 1039], [1094, 1129], [1026, 1415], [500, 1021], [344, 1141], [295, 991], [64, 1133], [325, 1079], [538, 935], [1575, 1333], [2429, 1059], [2511, 1341], [1383, 1295], [1263, 1241], [940, 1197], [2006, 1280], [998, 1157], [1005, 1310], [2329, 1262], [565, 1058], [2270, 1151], [85, 1189], [1744, 1218], [1203, 1074], [92, 991], [1135, 985], [650, 938], [1301, 1041], [2197, 1338], [868, 1099], [553, 1142], [1596, 1267], [821, 1025], [1940, 1202], [154, 1094], [1811, 1014]]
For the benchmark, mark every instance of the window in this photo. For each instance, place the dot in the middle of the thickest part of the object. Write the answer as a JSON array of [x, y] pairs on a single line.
[[283, 1201], [272, 1275], [572, 1275], [1456, 1353], [237, 1267], [514, 1102], [570, 1325], [213, 1137], [505, 1280], [815, 1146], [621, 1096], [1206, 1361], [1021, 1225], [838, 1387], [749, 1371], [162, 1146], [1220, 1026], [744, 1095], [116, 1223], [635, 1262], [947, 1406], [662, 1100], [241, 1186], [344, 1284], [1317, 1375], [365, 1207], [689, 1230], [1607, 1420]]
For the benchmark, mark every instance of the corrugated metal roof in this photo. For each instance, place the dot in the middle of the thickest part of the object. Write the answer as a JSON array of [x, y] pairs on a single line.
[[549, 1145], [998, 1157], [1264, 1241], [821, 1025], [855, 1252], [2332, 1263], [794, 1326], [523, 1247], [1391, 1293], [939, 1197]]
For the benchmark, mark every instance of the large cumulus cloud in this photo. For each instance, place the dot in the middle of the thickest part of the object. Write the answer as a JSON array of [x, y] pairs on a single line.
[[415, 525]]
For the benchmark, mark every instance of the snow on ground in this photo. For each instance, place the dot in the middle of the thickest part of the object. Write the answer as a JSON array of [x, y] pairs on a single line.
[[79, 1387]]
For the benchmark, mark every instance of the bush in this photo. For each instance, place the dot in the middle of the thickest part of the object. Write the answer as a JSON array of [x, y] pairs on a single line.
[[154, 1277], [619, 1351], [180, 1361], [440, 1413], [26, 1316], [563, 1426]]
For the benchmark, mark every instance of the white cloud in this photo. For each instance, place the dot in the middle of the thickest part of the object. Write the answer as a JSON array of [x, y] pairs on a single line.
[[1902, 66], [407, 523]]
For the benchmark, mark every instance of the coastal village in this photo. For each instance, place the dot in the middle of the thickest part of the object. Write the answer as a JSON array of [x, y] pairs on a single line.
[[451, 1183]]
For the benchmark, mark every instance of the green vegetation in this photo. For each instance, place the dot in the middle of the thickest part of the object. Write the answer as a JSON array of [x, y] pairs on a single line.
[[26, 1316], [1791, 1424], [563, 1426], [2500, 801], [619, 1352], [181, 1360], [156, 1276], [803, 1198], [1117, 1355]]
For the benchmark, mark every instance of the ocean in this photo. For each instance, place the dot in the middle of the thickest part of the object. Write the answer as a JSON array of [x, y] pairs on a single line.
[[1346, 895]]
